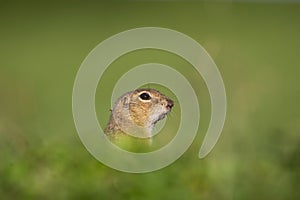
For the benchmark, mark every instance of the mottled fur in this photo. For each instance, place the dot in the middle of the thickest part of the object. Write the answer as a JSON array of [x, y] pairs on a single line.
[[135, 116]]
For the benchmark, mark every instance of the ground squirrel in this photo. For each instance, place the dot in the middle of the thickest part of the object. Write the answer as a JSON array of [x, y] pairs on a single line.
[[136, 112]]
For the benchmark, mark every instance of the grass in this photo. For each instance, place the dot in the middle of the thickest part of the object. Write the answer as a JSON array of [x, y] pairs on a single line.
[[255, 46]]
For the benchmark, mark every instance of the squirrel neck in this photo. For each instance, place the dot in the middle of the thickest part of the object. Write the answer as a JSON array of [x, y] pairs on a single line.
[[120, 124]]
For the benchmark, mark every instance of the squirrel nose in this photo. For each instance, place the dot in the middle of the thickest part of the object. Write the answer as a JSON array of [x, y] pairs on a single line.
[[170, 103]]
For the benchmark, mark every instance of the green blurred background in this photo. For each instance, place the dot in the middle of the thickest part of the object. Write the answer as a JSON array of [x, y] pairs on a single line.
[[256, 47]]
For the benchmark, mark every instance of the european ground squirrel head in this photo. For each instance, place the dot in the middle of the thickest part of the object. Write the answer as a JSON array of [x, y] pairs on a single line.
[[137, 112]]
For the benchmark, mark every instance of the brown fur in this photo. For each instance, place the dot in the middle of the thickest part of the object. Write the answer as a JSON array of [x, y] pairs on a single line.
[[132, 111]]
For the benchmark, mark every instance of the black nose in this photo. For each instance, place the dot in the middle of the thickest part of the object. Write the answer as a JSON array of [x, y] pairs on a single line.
[[170, 103]]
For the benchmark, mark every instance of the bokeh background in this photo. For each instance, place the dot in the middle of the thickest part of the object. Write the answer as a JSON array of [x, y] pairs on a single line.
[[256, 46]]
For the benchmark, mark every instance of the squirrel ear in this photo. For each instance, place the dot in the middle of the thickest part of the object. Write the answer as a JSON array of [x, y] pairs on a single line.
[[125, 102]]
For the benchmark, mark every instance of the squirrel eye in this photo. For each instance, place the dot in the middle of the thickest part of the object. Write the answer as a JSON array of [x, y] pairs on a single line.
[[145, 96]]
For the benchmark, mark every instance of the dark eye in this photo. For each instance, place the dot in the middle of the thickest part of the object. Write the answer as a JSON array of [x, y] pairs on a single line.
[[145, 96]]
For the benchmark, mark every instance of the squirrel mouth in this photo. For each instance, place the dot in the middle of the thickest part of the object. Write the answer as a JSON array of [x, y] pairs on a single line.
[[168, 109], [162, 116], [170, 104]]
